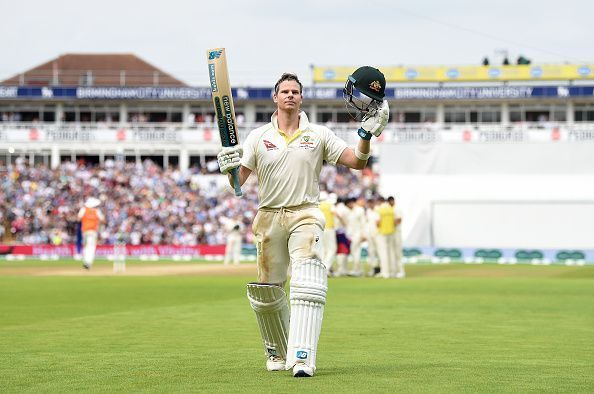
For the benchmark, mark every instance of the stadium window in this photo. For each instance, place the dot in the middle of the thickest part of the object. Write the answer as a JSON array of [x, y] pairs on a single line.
[[343, 117], [325, 117], [176, 117], [455, 115], [157, 159], [49, 116], [412, 117], [583, 113], [29, 116], [537, 116], [86, 116], [429, 116], [559, 115], [157, 117], [515, 113], [173, 161], [263, 114], [490, 117]]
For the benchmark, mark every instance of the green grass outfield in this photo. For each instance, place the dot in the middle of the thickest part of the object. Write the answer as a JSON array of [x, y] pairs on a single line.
[[446, 328]]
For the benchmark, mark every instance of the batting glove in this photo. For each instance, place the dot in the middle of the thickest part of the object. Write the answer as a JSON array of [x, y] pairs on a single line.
[[229, 158], [374, 123]]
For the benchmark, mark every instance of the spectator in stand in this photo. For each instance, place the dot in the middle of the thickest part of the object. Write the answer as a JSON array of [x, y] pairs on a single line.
[[146, 203]]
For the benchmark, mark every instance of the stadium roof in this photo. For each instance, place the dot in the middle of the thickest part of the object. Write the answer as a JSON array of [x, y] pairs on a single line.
[[101, 69]]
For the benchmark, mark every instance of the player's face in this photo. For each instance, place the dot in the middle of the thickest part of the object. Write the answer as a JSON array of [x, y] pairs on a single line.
[[288, 96]]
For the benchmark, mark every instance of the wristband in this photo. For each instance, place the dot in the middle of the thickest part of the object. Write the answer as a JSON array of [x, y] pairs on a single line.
[[364, 134], [360, 155]]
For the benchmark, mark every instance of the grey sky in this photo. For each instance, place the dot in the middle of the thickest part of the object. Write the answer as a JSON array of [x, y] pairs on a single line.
[[265, 38]]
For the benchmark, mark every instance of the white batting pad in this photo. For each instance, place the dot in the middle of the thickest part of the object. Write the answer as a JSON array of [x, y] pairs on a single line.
[[309, 284], [272, 311]]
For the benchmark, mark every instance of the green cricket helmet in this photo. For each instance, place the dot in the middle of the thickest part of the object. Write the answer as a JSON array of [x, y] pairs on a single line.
[[364, 91]]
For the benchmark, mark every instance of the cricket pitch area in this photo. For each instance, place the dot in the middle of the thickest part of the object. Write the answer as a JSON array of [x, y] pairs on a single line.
[[188, 327]]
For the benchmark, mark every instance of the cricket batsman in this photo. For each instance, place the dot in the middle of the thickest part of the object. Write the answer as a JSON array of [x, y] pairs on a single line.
[[286, 155], [90, 218]]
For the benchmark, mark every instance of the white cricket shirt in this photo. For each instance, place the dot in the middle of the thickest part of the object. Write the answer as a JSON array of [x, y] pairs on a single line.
[[288, 170]]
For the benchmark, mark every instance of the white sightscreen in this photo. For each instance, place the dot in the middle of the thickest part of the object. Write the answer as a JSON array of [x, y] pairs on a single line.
[[523, 224], [489, 179]]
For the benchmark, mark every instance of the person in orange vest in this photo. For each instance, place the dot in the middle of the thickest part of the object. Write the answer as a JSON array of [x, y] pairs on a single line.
[[90, 218]]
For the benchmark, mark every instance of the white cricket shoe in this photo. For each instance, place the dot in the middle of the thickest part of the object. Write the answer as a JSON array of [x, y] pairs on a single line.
[[301, 370], [275, 363], [400, 275]]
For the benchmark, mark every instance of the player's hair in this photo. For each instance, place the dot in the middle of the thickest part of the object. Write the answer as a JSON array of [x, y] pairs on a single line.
[[288, 77]]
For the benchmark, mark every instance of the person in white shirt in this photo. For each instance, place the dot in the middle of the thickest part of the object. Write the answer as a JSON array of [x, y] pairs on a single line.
[[400, 274], [371, 235], [287, 155], [356, 224], [233, 246], [327, 206], [343, 249]]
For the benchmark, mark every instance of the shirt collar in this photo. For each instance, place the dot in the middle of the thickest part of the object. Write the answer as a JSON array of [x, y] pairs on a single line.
[[303, 126], [303, 121]]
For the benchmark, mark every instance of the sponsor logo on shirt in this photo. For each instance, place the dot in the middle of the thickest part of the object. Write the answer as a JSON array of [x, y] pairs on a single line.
[[269, 145]]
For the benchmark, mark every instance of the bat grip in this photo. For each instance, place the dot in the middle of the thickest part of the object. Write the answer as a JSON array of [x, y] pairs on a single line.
[[236, 185]]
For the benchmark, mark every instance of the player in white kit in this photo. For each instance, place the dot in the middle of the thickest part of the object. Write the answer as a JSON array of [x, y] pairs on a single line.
[[328, 209], [356, 224], [400, 274], [287, 156], [371, 234], [343, 249], [233, 246]]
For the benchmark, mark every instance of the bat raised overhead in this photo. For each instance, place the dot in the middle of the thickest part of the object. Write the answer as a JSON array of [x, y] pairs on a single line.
[[223, 103]]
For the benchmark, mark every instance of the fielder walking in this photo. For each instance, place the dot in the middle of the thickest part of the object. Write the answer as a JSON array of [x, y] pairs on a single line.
[[371, 233], [400, 274], [233, 246], [286, 155], [356, 231], [90, 218], [329, 239]]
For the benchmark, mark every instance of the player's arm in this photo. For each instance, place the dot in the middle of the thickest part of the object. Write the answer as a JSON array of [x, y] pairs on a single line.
[[350, 159], [244, 174], [372, 125]]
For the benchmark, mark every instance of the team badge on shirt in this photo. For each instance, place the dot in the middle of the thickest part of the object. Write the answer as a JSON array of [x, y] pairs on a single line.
[[306, 142]]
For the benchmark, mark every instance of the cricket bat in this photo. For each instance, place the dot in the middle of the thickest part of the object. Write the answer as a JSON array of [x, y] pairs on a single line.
[[223, 103]]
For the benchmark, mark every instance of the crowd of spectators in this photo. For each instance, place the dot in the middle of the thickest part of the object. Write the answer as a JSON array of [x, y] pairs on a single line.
[[142, 202]]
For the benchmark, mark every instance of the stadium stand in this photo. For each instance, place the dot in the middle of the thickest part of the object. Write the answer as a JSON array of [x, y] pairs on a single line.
[[450, 148], [142, 202]]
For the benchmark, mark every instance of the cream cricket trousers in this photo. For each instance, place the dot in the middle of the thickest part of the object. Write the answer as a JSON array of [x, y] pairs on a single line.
[[386, 250], [356, 245], [233, 248], [398, 251], [284, 235], [330, 247], [90, 242], [372, 251]]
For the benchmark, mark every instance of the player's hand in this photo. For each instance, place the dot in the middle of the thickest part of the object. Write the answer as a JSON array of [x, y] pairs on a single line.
[[229, 158], [374, 123]]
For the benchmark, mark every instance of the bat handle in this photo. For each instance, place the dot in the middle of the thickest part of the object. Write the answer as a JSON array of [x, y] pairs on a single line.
[[236, 185]]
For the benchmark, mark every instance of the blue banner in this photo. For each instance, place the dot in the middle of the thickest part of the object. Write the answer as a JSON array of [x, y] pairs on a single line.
[[315, 93]]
